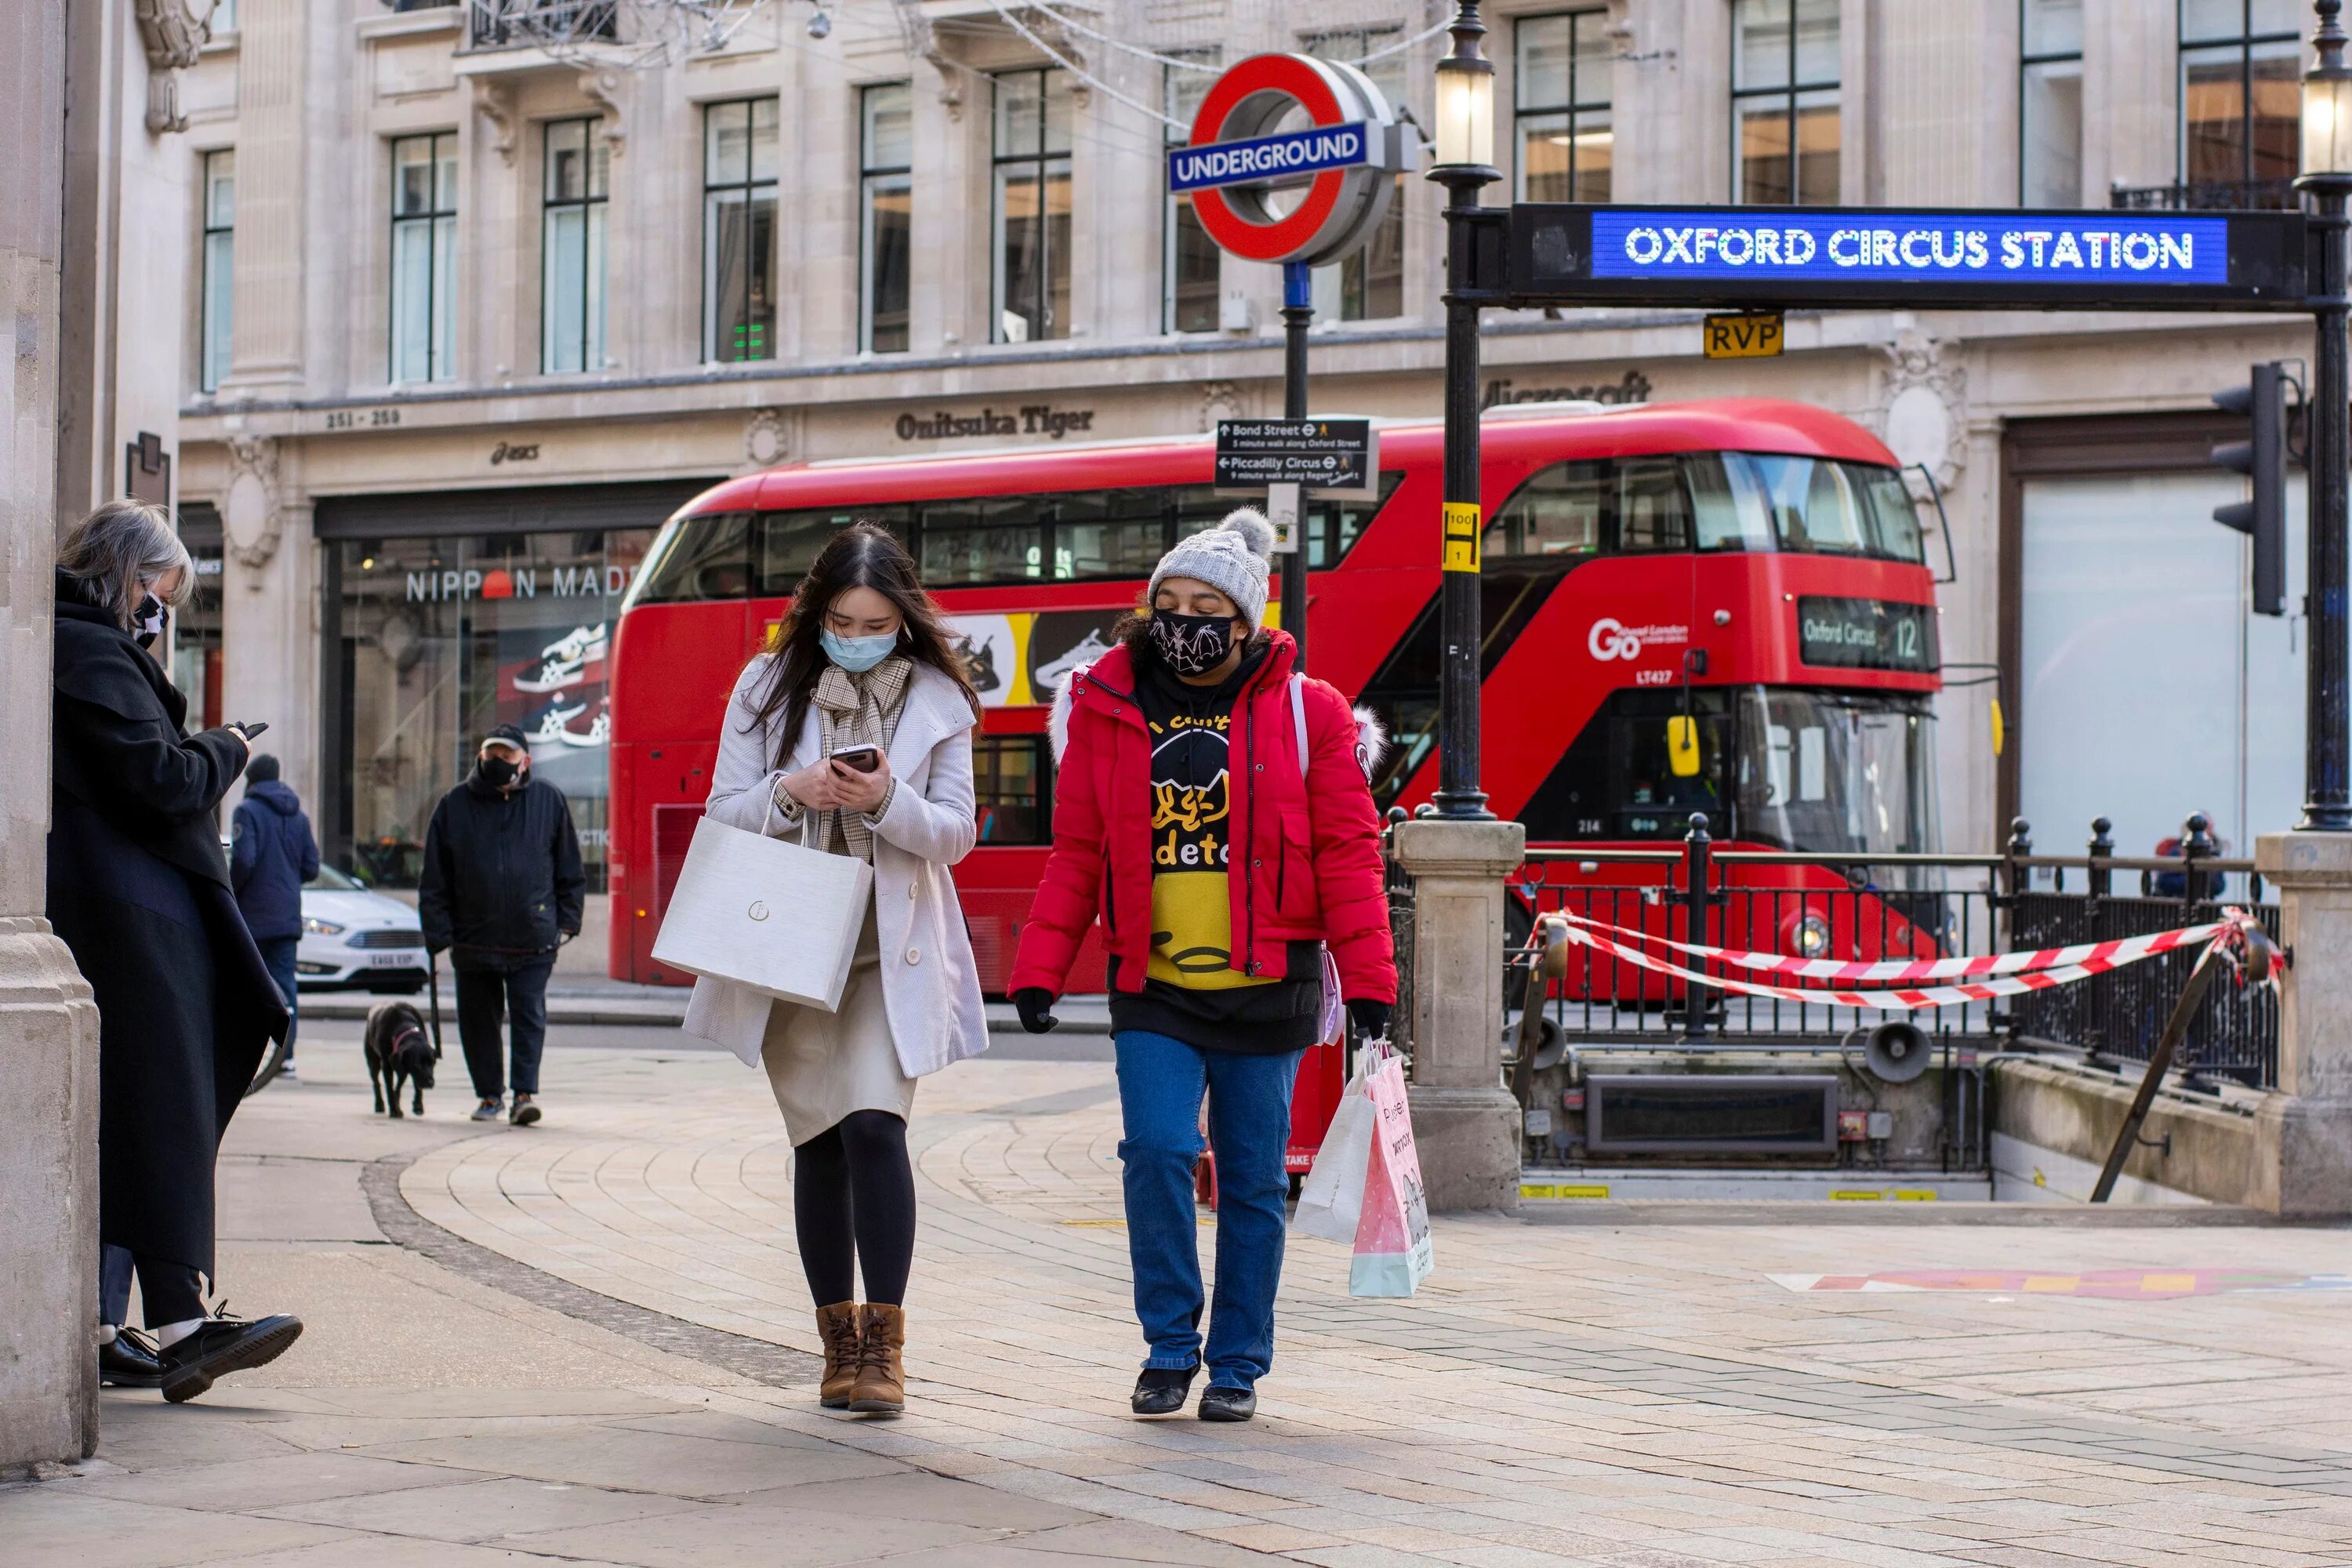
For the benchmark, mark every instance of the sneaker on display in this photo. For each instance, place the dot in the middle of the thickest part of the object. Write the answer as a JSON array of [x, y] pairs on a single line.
[[1046, 678], [597, 731], [547, 723], [564, 662]]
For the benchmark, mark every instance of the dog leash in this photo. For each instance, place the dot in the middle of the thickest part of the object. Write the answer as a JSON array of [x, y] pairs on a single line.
[[433, 989]]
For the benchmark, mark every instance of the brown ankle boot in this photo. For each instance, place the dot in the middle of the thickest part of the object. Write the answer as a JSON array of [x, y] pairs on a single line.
[[837, 1326], [881, 1387]]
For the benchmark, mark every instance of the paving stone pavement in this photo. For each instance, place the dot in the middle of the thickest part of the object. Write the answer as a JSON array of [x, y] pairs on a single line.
[[1642, 1396]]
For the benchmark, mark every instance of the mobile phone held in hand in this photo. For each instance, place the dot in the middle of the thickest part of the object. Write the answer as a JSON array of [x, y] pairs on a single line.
[[250, 731], [860, 758]]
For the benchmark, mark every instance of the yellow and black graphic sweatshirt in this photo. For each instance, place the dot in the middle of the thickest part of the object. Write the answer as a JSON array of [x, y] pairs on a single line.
[[1190, 990]]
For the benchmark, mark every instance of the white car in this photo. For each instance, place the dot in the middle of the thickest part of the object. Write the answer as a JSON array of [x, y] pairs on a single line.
[[354, 940]]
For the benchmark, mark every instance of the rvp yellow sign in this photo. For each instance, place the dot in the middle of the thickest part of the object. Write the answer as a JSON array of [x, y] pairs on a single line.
[[1746, 336]]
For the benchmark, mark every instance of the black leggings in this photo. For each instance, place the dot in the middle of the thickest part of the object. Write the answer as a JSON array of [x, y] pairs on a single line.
[[854, 1181]]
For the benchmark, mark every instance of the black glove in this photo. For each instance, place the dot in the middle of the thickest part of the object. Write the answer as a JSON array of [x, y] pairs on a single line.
[[1371, 1017], [1031, 1002]]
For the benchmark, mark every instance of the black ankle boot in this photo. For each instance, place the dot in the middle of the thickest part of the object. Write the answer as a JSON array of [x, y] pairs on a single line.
[[1161, 1390]]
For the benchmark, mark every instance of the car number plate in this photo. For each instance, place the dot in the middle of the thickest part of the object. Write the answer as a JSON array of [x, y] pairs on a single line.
[[392, 961]]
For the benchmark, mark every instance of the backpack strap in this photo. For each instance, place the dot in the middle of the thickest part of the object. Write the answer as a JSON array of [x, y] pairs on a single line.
[[1298, 720]]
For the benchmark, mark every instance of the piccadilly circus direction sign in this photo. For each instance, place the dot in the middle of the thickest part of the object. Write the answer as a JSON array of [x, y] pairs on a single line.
[[1341, 164]]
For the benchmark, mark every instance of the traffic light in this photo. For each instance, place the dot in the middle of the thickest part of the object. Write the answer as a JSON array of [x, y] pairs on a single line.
[[2263, 460]]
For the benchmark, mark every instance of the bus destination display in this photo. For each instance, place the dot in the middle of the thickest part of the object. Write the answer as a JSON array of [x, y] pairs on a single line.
[[1841, 256], [1867, 633]]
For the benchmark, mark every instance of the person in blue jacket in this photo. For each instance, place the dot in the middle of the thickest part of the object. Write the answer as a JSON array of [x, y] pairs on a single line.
[[271, 855]]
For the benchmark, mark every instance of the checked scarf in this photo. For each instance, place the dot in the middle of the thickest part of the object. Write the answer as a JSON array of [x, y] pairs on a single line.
[[851, 709]]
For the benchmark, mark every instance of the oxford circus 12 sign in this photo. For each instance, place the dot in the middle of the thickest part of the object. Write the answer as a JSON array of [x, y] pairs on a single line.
[[1335, 172]]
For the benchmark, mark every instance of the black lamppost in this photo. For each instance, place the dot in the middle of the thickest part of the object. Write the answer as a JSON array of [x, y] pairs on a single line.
[[2327, 179], [1464, 165]]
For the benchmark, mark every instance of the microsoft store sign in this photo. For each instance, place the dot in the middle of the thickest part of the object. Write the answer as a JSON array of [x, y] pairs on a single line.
[[499, 583]]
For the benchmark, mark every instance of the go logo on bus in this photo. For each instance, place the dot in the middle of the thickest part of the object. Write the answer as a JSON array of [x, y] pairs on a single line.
[[1612, 639]]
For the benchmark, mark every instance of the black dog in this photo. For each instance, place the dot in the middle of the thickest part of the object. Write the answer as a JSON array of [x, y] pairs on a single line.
[[397, 1048]]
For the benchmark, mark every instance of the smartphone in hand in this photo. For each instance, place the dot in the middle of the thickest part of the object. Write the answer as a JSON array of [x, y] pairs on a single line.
[[860, 758], [250, 731]]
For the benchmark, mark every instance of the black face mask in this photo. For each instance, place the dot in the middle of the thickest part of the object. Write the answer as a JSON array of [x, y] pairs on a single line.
[[1191, 644], [498, 772], [148, 621]]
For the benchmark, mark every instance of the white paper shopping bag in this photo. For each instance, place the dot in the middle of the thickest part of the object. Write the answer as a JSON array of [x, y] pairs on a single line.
[[1393, 1250]]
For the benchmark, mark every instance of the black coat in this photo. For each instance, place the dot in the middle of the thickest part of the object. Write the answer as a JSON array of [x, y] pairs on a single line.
[[272, 854], [502, 885], [139, 890]]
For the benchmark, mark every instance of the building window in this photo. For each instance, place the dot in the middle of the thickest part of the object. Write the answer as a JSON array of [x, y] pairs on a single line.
[[220, 268], [1032, 207], [571, 238], [1368, 283], [1566, 144], [2050, 103], [424, 256], [2240, 97], [1190, 279], [738, 230], [887, 155], [1784, 101]]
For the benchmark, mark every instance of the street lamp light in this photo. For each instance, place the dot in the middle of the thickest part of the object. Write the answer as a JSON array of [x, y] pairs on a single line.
[[2326, 181], [1464, 165]]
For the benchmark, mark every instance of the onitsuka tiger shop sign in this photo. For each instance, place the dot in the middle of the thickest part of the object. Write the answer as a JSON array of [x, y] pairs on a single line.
[[1830, 256], [1340, 163]]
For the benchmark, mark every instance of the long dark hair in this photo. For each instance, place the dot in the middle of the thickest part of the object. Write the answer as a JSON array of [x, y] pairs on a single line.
[[862, 555]]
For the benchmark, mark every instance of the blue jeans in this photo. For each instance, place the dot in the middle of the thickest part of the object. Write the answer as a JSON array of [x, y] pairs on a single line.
[[278, 957], [1160, 1082]]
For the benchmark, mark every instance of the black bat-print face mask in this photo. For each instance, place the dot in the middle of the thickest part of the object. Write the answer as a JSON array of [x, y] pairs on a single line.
[[1191, 644]]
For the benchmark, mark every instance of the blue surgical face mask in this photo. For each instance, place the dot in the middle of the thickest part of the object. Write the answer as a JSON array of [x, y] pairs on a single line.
[[857, 654]]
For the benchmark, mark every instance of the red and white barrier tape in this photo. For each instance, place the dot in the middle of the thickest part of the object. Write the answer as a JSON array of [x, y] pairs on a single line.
[[2226, 934], [2092, 957]]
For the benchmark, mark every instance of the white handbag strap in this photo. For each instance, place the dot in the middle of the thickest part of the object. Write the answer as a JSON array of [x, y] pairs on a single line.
[[1298, 720]]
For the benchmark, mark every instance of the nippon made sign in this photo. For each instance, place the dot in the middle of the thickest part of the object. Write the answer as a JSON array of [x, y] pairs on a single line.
[[1322, 453], [1337, 170], [1832, 257]]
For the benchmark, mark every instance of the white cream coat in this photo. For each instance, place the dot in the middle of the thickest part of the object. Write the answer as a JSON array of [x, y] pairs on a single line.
[[930, 986]]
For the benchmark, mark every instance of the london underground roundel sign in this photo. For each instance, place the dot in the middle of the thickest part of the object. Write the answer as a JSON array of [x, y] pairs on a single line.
[[1342, 161]]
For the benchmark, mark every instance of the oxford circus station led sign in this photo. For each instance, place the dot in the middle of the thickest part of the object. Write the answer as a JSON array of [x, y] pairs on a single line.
[[1308, 194], [1829, 256]]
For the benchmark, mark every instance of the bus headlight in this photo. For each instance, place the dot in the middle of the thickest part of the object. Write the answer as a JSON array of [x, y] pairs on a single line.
[[1812, 937]]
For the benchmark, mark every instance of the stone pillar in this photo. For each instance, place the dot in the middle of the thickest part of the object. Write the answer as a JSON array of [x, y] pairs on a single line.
[[1465, 1124], [267, 340], [49, 1027], [2307, 1124]]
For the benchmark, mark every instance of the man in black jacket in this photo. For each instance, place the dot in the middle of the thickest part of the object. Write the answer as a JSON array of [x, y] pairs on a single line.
[[501, 890]]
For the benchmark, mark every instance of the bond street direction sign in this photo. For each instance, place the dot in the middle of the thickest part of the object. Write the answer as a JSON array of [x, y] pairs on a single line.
[[1340, 166], [1322, 453], [1830, 258]]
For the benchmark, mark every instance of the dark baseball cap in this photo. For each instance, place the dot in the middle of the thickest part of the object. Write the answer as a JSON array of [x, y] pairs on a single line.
[[505, 735]]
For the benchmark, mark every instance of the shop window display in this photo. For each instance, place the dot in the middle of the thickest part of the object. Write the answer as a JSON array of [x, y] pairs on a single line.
[[444, 639]]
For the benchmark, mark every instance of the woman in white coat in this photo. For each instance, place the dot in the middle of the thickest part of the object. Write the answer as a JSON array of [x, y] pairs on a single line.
[[852, 732]]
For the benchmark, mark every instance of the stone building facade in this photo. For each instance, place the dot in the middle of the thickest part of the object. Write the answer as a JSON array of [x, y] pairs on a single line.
[[416, 299]]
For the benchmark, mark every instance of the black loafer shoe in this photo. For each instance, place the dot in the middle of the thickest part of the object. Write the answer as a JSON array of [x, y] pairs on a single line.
[[129, 1361], [1161, 1390], [1228, 1403], [223, 1345]]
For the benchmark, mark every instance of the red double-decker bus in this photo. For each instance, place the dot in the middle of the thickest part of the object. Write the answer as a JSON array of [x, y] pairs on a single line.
[[1718, 607]]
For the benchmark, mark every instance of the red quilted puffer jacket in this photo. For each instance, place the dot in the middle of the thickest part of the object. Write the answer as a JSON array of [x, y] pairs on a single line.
[[1314, 870]]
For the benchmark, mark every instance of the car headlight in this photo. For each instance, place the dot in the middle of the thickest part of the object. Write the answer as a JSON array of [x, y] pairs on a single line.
[[314, 926], [1812, 937]]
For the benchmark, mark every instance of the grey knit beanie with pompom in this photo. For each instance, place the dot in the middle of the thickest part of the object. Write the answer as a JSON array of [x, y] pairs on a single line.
[[1230, 558]]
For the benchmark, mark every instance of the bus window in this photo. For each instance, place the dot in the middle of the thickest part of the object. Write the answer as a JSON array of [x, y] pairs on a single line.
[[1651, 512], [995, 539], [707, 557], [788, 542], [1896, 517], [1726, 516], [1108, 533], [1836, 773], [1556, 512], [1008, 775]]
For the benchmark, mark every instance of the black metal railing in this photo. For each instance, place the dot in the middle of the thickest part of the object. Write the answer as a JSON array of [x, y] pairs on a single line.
[[515, 24], [2209, 195], [1866, 908]]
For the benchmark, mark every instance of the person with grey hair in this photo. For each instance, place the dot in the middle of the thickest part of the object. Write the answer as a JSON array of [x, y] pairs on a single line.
[[139, 891]]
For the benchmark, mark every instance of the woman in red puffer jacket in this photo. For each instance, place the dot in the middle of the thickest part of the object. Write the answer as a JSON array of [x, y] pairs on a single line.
[[1222, 859]]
